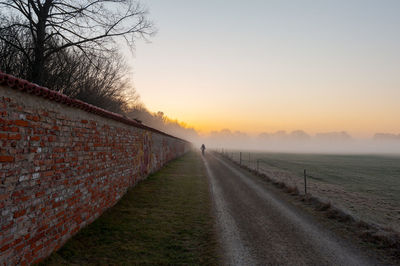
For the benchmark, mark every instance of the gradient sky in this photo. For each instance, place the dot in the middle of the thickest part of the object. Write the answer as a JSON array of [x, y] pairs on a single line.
[[262, 65]]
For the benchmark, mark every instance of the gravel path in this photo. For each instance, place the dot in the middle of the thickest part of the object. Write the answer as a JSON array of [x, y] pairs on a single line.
[[256, 227]]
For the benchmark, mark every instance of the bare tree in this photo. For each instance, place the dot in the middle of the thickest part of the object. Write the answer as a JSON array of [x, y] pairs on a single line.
[[12, 60], [100, 80], [161, 122], [40, 29]]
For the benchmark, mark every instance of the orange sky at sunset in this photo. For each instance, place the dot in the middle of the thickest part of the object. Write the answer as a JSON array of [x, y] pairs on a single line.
[[274, 65]]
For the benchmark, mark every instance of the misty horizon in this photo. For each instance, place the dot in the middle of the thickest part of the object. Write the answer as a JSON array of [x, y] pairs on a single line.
[[298, 76], [297, 141], [315, 66], [300, 142]]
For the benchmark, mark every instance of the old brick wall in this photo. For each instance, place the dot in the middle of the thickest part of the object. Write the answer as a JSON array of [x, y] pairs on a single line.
[[61, 167]]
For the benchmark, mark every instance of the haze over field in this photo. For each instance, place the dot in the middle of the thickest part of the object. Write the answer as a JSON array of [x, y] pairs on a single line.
[[292, 75]]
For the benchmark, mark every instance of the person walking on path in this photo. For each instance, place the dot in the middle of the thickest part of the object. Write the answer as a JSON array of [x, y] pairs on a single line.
[[203, 147]]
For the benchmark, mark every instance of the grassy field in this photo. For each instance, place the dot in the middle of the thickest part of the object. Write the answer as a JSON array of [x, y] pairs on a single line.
[[165, 219], [376, 174], [358, 194]]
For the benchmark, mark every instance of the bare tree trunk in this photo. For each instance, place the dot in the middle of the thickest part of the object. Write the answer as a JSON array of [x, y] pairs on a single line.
[[38, 67]]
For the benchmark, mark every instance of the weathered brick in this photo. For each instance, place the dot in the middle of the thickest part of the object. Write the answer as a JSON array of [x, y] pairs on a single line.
[[48, 173], [3, 197], [33, 118], [21, 123], [39, 194], [14, 136], [20, 247], [5, 122], [35, 138], [63, 171], [6, 240], [5, 247], [19, 213], [6, 159]]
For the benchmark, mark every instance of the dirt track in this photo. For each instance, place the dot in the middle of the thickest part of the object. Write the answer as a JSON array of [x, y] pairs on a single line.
[[256, 227]]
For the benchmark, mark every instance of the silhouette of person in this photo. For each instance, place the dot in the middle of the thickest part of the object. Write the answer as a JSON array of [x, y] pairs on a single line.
[[202, 148]]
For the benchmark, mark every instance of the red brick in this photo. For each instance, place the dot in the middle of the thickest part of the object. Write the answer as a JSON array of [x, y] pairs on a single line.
[[60, 214], [24, 198], [7, 159], [59, 150], [19, 213], [17, 241], [39, 194], [5, 247], [17, 194], [20, 247], [36, 238], [27, 236], [21, 123], [69, 162], [33, 117], [56, 204], [35, 138], [6, 240], [14, 137], [3, 196], [5, 122], [44, 227], [48, 173]]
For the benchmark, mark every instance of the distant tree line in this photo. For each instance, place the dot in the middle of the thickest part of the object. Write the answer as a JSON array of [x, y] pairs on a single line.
[[160, 121]]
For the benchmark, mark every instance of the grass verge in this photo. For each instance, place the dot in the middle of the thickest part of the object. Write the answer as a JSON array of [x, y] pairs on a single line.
[[165, 219]]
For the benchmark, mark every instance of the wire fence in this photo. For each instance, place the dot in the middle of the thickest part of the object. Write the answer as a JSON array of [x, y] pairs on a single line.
[[342, 182], [253, 162]]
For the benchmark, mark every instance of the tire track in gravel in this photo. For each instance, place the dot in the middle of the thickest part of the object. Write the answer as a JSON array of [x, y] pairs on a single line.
[[256, 227]]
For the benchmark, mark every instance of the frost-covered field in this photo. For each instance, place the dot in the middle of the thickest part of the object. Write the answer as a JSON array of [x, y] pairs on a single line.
[[366, 186]]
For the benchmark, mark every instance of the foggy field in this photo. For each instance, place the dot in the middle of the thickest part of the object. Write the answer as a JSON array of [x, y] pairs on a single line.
[[366, 186]]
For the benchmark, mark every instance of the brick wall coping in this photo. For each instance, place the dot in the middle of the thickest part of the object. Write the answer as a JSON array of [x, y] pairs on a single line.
[[31, 88]]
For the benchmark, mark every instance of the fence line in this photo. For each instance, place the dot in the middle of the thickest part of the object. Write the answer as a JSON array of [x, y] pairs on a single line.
[[262, 166], [354, 185]]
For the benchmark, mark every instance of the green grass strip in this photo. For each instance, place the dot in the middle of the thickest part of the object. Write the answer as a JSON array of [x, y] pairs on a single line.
[[165, 219]]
